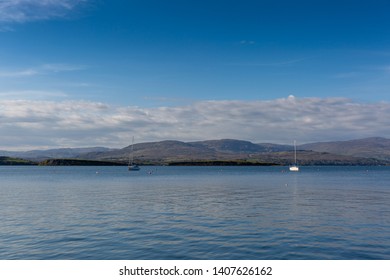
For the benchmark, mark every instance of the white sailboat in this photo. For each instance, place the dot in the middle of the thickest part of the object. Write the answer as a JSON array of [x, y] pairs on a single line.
[[132, 166], [295, 167]]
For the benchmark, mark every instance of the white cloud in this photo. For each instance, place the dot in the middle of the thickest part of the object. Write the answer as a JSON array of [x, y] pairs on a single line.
[[81, 123], [20, 11]]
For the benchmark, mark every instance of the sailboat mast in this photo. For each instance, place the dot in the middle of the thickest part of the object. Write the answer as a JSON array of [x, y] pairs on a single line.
[[295, 152], [295, 166], [132, 166], [132, 151]]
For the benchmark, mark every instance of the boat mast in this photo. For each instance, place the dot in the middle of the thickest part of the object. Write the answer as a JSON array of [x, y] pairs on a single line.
[[132, 151], [295, 152], [132, 166], [131, 157]]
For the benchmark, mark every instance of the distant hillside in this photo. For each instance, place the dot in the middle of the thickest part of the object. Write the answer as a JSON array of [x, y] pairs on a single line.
[[243, 152], [157, 152], [38, 155], [315, 158], [375, 147], [77, 162], [229, 146], [173, 151], [369, 151]]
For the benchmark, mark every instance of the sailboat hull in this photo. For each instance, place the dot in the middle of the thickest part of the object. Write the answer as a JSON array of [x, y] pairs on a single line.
[[133, 168], [294, 168]]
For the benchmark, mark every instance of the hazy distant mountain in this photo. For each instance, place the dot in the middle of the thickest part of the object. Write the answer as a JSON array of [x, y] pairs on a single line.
[[229, 146], [370, 151], [168, 151], [239, 146], [226, 149], [375, 147], [157, 152], [53, 153]]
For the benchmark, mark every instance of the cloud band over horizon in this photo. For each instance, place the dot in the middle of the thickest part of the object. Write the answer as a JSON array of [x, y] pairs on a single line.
[[26, 124]]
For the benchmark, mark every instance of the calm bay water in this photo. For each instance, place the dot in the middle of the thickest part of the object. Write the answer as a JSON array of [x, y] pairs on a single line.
[[194, 213]]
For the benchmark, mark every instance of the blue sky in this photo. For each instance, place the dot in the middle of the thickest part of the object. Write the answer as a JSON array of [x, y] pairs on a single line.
[[96, 72]]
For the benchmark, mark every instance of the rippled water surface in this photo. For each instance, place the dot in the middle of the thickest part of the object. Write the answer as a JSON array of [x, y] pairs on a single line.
[[194, 213]]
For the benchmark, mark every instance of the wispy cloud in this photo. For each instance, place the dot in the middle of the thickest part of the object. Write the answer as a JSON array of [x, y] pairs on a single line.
[[62, 67], [385, 69], [81, 123], [271, 63], [247, 42], [40, 70], [19, 73], [21, 11], [35, 94], [348, 75]]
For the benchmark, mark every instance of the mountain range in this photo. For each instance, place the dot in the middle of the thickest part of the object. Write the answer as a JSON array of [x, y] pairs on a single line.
[[37, 155], [375, 147], [368, 151]]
